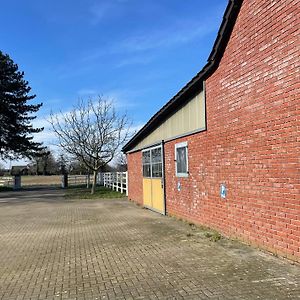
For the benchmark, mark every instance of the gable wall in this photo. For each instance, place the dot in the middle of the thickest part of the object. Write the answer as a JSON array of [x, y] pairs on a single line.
[[189, 118], [252, 139]]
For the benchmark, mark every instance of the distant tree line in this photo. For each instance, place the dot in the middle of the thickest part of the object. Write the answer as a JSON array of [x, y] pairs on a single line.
[[45, 163]]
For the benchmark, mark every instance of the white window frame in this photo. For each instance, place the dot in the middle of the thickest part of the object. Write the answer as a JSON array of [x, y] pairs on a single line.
[[182, 145], [149, 164], [150, 149]]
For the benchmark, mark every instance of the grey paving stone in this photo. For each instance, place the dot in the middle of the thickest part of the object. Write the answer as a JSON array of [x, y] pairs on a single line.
[[52, 248]]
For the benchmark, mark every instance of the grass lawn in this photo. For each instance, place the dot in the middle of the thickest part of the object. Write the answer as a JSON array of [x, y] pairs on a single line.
[[40, 180], [84, 193]]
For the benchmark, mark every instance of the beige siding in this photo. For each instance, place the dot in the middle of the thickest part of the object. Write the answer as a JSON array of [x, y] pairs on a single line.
[[189, 118]]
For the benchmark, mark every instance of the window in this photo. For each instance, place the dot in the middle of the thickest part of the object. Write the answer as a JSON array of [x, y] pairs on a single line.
[[152, 163], [156, 162], [181, 158], [146, 164]]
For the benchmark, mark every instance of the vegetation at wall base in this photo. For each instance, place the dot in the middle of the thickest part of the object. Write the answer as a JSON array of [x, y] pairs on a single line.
[[207, 232], [81, 192], [196, 231], [213, 236]]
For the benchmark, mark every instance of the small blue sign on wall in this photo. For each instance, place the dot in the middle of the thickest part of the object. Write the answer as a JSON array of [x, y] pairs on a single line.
[[223, 191]]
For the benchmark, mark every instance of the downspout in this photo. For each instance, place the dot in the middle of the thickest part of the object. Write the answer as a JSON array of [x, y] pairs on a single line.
[[163, 176]]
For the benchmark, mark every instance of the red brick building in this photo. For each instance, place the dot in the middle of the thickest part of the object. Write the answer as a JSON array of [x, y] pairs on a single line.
[[224, 152]]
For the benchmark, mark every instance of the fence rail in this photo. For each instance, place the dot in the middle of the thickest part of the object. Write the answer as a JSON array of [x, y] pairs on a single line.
[[78, 179], [6, 181], [117, 181]]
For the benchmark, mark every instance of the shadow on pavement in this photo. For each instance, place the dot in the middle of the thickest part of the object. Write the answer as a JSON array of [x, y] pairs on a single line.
[[33, 194]]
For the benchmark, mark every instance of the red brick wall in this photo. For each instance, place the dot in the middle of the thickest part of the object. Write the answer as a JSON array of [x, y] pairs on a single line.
[[135, 177], [252, 142]]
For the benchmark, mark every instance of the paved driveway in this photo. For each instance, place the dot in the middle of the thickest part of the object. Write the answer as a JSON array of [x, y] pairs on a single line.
[[52, 248]]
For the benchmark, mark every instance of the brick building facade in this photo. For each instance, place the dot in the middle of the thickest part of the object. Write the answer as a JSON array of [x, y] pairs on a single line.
[[250, 145]]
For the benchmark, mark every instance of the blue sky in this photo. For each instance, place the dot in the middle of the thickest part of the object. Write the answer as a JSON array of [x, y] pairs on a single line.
[[139, 52]]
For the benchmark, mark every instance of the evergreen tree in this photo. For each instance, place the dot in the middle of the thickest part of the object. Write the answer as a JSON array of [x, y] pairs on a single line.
[[16, 130]]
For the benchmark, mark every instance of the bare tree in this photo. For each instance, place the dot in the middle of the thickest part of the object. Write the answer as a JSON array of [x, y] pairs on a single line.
[[92, 133], [44, 163], [121, 163]]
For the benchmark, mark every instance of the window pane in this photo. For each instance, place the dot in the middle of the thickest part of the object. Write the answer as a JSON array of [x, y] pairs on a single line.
[[147, 170], [146, 157], [181, 160], [156, 155], [157, 170]]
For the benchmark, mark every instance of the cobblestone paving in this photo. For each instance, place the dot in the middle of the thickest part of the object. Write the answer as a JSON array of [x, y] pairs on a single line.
[[52, 248]]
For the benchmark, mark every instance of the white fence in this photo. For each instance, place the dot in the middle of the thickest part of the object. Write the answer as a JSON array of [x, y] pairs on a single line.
[[117, 181], [78, 179], [7, 181]]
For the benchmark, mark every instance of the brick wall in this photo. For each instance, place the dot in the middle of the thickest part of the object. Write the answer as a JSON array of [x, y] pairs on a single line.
[[135, 177], [252, 142]]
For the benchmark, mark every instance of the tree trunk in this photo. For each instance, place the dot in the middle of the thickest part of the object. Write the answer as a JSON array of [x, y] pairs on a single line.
[[94, 182], [45, 170]]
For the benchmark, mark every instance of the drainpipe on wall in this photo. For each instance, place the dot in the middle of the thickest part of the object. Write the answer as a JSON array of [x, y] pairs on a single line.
[[163, 175]]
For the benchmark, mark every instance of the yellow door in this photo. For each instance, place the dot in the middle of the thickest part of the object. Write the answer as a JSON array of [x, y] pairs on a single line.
[[147, 192], [153, 189], [157, 195]]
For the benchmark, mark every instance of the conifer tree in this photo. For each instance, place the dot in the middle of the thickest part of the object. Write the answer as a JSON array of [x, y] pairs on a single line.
[[16, 130]]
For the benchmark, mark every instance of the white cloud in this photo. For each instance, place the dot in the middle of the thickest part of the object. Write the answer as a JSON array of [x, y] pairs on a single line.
[[68, 70], [136, 60], [41, 122], [99, 11], [144, 42], [47, 136], [87, 92], [181, 34], [105, 9], [135, 128], [122, 99]]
